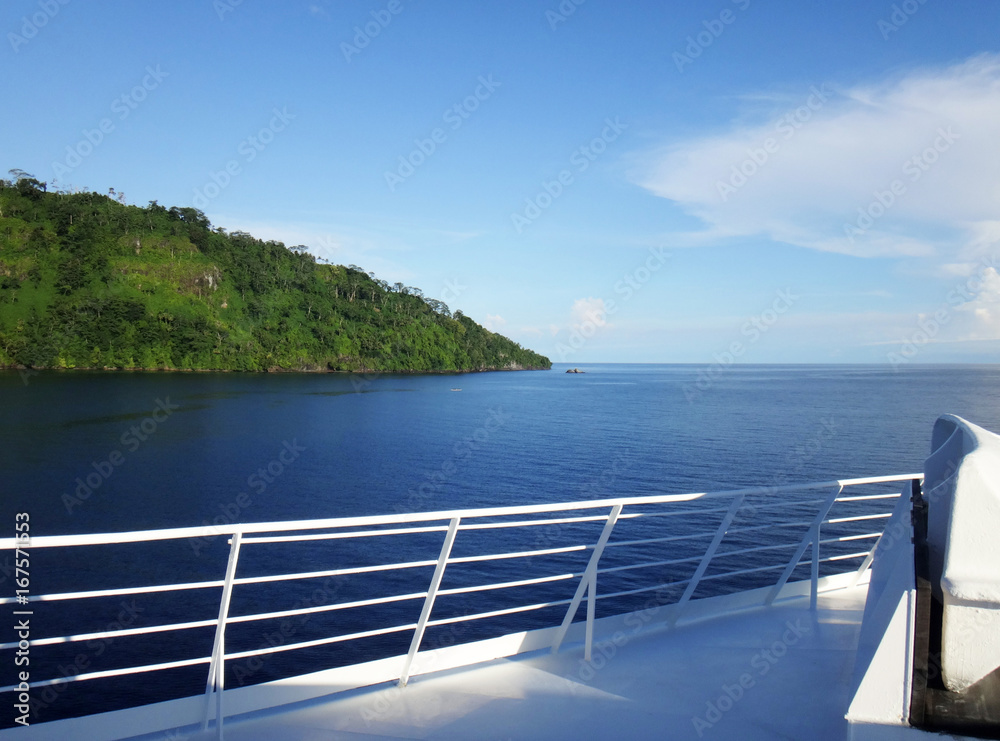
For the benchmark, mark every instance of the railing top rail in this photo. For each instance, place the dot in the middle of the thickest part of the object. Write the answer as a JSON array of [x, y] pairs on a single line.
[[204, 531]]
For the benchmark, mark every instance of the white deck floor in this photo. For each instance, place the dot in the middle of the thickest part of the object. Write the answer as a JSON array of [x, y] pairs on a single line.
[[795, 665]]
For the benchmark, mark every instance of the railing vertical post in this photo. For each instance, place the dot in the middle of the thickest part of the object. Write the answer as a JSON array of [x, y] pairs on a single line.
[[867, 562], [432, 590], [815, 568], [806, 539], [591, 609], [909, 488], [589, 576], [217, 666], [699, 572]]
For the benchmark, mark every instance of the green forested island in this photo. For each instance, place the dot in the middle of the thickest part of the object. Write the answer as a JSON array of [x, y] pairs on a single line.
[[87, 281]]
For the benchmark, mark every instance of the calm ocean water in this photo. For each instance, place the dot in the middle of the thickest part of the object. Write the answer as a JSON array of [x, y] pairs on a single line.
[[187, 445], [96, 452]]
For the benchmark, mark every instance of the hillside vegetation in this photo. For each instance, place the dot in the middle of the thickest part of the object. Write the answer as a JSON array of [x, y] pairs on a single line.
[[87, 281]]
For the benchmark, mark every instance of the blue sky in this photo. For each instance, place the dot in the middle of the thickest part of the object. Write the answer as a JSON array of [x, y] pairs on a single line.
[[729, 181]]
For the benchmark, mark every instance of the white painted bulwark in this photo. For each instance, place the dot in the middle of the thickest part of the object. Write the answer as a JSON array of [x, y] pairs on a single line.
[[963, 493], [883, 669]]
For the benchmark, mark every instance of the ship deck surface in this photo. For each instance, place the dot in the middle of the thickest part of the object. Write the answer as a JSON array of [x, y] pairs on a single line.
[[788, 667]]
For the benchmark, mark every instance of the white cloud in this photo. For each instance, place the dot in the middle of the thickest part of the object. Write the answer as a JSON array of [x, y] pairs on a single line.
[[984, 240], [590, 311], [808, 168], [979, 318], [969, 313], [588, 318], [495, 322]]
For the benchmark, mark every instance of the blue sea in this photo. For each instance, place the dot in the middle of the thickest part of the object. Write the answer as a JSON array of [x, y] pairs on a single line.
[[93, 452], [86, 452]]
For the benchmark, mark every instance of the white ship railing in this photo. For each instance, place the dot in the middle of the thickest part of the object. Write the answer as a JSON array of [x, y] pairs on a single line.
[[796, 536]]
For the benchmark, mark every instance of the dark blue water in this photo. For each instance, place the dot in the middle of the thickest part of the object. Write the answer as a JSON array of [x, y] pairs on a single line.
[[93, 452], [367, 445]]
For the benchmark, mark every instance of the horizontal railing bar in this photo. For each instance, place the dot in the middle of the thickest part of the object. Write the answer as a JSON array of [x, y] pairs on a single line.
[[531, 523], [138, 536], [640, 590], [497, 613], [785, 505], [113, 633], [678, 513], [509, 584], [113, 673], [595, 518], [665, 539], [519, 554], [318, 642], [808, 561], [385, 631], [339, 536], [845, 538], [117, 592], [845, 557], [442, 528], [324, 608], [754, 528], [748, 571], [648, 564], [333, 572], [755, 549], [865, 497], [213, 622], [857, 518]]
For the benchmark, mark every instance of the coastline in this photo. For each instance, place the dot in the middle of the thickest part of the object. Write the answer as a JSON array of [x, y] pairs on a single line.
[[357, 371]]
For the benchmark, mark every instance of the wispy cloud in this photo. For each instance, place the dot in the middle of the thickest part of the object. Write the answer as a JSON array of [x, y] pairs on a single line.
[[587, 317], [969, 313], [903, 167], [979, 319], [589, 313], [318, 11]]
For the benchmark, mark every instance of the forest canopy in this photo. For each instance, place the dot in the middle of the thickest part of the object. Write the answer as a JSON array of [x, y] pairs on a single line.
[[88, 281]]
